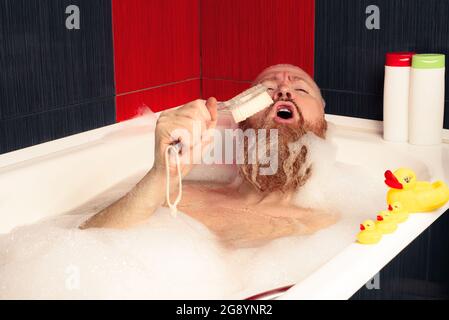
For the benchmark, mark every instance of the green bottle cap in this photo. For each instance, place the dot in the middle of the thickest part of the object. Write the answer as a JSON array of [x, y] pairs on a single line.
[[428, 61]]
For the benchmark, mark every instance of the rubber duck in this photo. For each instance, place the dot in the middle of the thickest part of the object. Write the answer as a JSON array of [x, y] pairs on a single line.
[[385, 222], [415, 196], [399, 213], [368, 233]]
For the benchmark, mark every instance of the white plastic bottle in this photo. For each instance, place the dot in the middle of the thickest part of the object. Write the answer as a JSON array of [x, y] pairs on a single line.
[[396, 95], [426, 102]]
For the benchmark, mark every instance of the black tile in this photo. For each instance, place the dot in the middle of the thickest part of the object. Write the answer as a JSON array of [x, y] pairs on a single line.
[[352, 103], [438, 261], [44, 65], [349, 57], [446, 114], [36, 128]]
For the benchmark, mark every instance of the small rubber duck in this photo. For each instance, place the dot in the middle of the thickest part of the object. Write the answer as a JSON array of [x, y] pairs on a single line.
[[368, 233], [415, 196], [399, 213], [385, 222]]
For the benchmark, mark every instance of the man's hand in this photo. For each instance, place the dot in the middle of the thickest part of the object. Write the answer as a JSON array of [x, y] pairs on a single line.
[[177, 125], [140, 203]]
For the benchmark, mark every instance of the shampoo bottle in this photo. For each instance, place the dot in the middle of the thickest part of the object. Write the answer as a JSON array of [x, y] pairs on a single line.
[[426, 100], [396, 95]]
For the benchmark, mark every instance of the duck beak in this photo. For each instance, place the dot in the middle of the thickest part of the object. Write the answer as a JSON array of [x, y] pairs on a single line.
[[392, 181], [390, 208], [380, 218], [362, 227]]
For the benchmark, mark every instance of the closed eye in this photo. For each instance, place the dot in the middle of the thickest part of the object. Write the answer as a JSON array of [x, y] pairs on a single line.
[[302, 90]]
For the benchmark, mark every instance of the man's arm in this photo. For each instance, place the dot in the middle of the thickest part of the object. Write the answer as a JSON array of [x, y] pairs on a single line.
[[149, 194], [135, 207]]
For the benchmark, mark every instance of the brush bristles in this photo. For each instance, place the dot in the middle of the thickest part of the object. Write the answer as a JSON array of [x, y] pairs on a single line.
[[252, 106]]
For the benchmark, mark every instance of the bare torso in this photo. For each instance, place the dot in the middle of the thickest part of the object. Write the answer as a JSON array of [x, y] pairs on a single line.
[[242, 218]]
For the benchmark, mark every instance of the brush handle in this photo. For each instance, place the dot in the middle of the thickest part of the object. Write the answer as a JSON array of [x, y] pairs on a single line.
[[243, 100]]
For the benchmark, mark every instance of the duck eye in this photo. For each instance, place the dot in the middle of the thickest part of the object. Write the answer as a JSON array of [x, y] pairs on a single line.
[[407, 179]]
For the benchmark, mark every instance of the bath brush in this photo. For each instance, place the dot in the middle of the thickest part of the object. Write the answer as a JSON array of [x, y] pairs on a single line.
[[247, 103], [243, 105]]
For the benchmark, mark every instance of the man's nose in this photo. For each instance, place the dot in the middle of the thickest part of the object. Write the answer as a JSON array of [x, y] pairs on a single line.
[[283, 93]]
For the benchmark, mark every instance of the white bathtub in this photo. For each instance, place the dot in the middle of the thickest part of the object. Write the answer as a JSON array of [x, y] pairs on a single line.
[[73, 172]]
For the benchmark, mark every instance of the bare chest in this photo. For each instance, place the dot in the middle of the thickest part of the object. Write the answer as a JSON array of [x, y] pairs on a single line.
[[239, 222]]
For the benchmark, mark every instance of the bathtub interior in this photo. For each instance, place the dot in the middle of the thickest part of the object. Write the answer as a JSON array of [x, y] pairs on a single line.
[[89, 176]]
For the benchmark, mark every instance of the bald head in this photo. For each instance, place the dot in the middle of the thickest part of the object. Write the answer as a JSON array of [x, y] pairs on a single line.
[[290, 83]]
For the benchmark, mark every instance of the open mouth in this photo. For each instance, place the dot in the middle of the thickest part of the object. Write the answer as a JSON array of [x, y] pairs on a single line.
[[285, 112]]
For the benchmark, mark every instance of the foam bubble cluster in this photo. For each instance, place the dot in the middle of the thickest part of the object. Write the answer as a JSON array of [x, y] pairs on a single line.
[[179, 258]]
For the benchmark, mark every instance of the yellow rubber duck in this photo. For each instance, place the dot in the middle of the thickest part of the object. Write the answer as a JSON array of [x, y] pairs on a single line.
[[385, 222], [415, 196], [368, 233], [399, 213]]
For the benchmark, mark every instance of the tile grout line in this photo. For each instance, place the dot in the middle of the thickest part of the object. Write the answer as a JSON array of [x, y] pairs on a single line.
[[158, 86], [200, 40], [59, 108], [228, 79], [113, 60], [351, 92]]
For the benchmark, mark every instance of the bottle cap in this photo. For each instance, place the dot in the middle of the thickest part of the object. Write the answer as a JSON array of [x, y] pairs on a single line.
[[399, 59], [428, 61]]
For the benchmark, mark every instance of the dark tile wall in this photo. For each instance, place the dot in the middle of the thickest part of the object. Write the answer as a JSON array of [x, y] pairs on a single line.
[[49, 125], [54, 81], [349, 58]]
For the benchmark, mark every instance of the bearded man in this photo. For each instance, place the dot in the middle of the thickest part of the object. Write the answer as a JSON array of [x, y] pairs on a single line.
[[255, 208]]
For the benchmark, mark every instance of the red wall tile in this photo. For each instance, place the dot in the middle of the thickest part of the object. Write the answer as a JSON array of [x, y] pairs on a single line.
[[240, 38], [223, 89], [157, 99], [155, 42]]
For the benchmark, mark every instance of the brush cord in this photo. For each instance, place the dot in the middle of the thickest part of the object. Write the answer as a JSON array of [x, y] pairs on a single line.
[[175, 152]]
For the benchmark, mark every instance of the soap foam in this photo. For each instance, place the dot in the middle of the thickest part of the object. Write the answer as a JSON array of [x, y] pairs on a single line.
[[180, 258], [164, 258]]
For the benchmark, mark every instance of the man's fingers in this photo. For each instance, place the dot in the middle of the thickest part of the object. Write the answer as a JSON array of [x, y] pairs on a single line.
[[211, 105]]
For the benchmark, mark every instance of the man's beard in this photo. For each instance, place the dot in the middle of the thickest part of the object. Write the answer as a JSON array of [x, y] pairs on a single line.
[[293, 169]]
